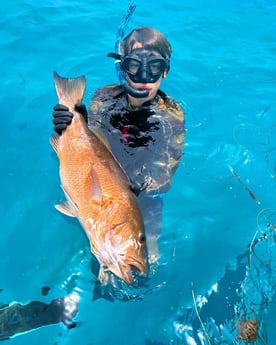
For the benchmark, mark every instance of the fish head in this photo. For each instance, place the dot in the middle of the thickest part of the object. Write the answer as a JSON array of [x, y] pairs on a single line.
[[126, 251]]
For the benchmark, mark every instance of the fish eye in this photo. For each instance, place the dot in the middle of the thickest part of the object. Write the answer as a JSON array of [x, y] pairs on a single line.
[[142, 238]]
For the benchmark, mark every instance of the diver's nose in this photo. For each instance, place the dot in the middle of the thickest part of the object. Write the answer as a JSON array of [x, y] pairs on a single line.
[[144, 75]]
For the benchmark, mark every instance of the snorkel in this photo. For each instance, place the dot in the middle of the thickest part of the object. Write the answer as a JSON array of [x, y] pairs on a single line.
[[118, 55]]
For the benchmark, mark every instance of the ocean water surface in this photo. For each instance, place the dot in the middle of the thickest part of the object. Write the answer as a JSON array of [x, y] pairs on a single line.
[[217, 264]]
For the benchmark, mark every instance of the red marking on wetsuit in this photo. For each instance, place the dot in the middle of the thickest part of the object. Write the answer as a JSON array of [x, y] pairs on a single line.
[[124, 133]]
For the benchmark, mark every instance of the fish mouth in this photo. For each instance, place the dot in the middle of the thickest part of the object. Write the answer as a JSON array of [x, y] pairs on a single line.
[[127, 271], [130, 269]]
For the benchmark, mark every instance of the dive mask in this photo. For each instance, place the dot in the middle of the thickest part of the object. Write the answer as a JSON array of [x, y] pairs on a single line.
[[143, 67]]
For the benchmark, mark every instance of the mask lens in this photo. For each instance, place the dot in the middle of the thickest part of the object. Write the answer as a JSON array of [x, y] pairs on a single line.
[[156, 66], [131, 66]]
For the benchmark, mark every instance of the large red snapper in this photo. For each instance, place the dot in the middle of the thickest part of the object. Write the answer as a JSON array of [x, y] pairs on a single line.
[[97, 192]]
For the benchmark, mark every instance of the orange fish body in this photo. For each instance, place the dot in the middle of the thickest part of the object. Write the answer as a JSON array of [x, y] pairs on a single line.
[[97, 191]]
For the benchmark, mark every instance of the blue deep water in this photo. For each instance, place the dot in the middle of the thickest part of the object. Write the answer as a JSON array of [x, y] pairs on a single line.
[[217, 247]]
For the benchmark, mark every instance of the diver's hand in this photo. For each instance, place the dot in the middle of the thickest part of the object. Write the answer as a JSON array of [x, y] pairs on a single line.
[[62, 117], [81, 108]]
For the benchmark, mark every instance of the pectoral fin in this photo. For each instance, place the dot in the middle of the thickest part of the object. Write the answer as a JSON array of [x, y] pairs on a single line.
[[103, 276], [96, 192], [69, 208], [65, 208]]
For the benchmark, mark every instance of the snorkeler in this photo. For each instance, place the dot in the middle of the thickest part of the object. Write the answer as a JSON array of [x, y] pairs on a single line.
[[143, 125]]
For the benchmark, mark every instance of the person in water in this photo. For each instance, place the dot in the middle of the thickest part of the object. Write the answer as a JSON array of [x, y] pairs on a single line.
[[143, 125]]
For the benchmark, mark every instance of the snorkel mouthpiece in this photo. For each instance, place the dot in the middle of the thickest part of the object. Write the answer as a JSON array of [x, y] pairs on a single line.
[[136, 93]]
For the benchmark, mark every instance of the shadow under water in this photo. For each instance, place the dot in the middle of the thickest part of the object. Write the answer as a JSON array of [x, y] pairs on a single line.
[[16, 318]]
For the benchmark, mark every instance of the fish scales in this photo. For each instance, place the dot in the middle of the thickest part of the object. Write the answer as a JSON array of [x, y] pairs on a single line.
[[98, 193]]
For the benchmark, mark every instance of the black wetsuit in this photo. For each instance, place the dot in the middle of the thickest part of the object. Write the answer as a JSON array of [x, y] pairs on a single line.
[[147, 141]]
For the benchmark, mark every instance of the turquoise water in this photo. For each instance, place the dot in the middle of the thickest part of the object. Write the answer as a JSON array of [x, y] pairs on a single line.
[[223, 71]]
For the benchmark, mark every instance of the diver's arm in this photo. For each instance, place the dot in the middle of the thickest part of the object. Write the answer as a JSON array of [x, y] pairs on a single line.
[[94, 118], [176, 119], [172, 151], [176, 145]]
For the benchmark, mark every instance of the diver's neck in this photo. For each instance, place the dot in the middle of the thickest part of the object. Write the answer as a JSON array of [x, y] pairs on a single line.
[[139, 102]]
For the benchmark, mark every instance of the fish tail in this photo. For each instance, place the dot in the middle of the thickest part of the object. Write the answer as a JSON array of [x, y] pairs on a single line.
[[69, 90]]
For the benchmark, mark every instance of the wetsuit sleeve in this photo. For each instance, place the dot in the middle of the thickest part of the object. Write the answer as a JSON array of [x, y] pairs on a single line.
[[94, 117], [176, 142], [171, 148]]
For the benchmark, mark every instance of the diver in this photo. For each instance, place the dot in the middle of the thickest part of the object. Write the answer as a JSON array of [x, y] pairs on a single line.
[[143, 125]]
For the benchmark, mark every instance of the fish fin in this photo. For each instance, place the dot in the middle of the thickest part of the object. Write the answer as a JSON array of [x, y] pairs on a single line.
[[100, 135], [65, 208], [70, 88], [103, 276], [54, 139], [96, 192]]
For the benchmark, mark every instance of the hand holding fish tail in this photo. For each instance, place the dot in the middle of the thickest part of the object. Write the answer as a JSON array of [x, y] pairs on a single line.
[[62, 116], [81, 108]]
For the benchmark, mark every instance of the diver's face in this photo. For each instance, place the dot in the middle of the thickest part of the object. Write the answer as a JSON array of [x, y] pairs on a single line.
[[143, 66], [144, 70], [152, 88]]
